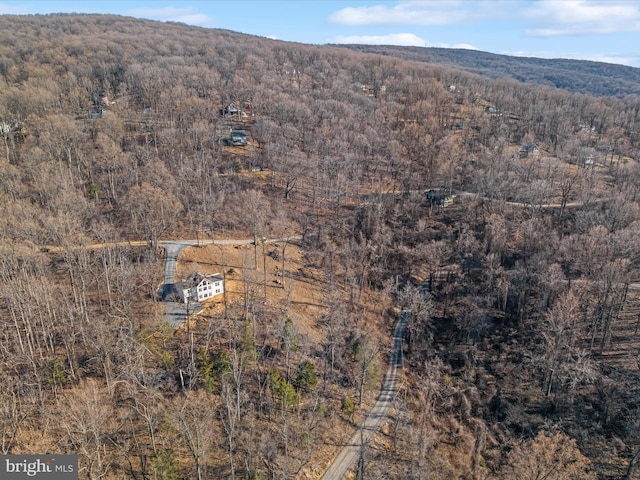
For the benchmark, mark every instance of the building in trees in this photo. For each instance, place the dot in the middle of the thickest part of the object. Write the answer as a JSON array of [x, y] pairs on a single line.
[[232, 111], [201, 287], [528, 148], [237, 138], [231, 137], [439, 198]]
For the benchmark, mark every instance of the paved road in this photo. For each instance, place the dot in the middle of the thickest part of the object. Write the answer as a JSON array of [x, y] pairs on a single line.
[[174, 312], [378, 414]]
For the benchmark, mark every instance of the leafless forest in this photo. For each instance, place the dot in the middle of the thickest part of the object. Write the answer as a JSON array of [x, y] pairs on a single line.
[[523, 348]]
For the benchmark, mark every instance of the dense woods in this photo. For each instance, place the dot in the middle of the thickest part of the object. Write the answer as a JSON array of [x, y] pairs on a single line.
[[580, 76], [523, 345]]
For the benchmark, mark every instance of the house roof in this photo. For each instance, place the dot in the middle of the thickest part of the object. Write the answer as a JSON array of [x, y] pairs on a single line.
[[198, 279], [528, 147]]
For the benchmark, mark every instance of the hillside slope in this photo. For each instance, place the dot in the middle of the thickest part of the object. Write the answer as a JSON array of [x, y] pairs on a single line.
[[594, 78], [413, 186]]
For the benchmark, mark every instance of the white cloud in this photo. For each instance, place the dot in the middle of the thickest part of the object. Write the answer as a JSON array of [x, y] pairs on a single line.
[[582, 17], [465, 46], [421, 12], [618, 59], [401, 39], [193, 19], [188, 15], [630, 61]]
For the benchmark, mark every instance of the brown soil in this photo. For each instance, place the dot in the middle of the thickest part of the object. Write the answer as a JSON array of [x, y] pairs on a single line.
[[301, 292]]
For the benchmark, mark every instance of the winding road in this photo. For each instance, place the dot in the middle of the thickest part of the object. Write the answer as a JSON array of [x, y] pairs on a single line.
[[175, 314], [378, 414]]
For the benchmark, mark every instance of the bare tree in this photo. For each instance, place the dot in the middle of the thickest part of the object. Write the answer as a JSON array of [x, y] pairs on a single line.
[[549, 455], [232, 404], [85, 424], [195, 419], [153, 211]]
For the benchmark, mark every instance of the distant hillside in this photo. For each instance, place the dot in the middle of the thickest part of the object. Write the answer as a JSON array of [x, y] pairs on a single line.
[[595, 78]]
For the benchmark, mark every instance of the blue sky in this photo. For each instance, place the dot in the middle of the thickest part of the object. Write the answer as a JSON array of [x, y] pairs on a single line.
[[602, 30]]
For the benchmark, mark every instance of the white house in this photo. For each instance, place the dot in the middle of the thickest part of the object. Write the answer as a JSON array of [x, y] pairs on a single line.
[[201, 287]]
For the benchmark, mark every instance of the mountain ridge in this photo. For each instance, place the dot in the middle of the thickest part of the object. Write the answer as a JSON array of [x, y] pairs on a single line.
[[578, 76], [581, 76]]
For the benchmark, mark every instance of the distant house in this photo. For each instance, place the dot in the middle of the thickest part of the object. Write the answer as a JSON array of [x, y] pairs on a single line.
[[100, 100], [238, 138], [439, 199], [231, 137], [369, 90], [373, 90], [232, 111], [491, 110], [587, 160], [96, 112], [201, 287], [528, 148]]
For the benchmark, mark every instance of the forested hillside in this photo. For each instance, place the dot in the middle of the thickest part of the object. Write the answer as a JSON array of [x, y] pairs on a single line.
[[523, 346], [594, 78]]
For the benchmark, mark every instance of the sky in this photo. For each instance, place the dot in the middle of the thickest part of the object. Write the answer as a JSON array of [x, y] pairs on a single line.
[[599, 30]]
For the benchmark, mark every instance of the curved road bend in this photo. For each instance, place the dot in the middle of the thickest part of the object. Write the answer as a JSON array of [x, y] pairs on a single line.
[[378, 414]]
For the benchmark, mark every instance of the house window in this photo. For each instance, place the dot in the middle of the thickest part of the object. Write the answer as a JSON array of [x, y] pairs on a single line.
[[218, 290]]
